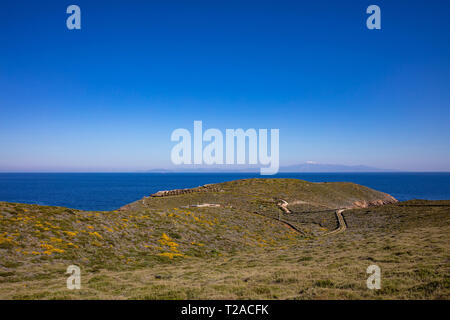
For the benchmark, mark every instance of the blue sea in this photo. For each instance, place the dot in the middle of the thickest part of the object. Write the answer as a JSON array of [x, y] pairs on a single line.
[[109, 191]]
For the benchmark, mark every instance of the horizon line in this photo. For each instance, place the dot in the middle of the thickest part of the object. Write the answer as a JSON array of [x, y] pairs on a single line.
[[234, 172]]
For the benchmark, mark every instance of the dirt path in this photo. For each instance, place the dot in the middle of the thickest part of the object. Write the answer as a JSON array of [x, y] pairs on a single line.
[[283, 206], [342, 225]]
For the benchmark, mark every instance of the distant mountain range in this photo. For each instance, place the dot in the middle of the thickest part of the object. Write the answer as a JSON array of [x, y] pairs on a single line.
[[303, 167], [320, 167]]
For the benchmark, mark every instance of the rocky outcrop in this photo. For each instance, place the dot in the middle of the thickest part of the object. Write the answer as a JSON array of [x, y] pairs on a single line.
[[374, 203]]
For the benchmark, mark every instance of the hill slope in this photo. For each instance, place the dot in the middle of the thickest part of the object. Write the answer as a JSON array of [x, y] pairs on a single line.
[[227, 240]]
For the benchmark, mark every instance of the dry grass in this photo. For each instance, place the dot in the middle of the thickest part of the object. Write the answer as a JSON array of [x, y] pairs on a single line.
[[163, 251]]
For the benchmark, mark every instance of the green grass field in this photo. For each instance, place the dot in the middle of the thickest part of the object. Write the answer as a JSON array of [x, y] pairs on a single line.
[[244, 248]]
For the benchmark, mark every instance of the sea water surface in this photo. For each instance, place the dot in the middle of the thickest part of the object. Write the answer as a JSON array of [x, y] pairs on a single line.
[[109, 191]]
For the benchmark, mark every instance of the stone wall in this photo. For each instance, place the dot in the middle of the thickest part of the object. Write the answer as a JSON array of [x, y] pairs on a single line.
[[175, 192]]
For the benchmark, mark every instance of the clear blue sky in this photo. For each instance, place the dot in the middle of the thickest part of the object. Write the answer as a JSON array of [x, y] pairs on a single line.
[[108, 96]]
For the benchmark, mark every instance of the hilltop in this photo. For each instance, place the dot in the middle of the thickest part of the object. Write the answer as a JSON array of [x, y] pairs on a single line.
[[251, 238]]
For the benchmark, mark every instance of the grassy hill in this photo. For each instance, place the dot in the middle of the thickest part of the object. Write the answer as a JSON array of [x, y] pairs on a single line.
[[240, 246]]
